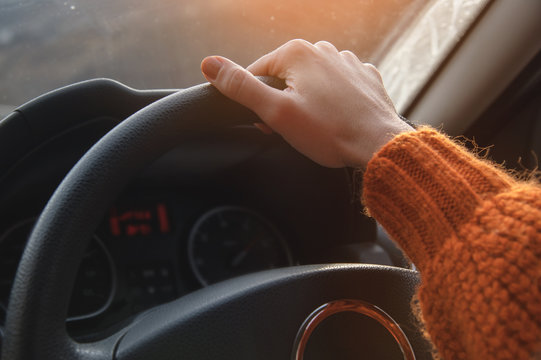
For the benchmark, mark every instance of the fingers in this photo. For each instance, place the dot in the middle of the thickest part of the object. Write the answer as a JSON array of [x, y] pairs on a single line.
[[295, 53], [326, 46], [266, 66], [238, 84], [350, 57], [374, 71], [278, 62]]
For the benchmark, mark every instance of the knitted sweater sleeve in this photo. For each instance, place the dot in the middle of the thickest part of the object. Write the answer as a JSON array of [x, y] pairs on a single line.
[[474, 233]]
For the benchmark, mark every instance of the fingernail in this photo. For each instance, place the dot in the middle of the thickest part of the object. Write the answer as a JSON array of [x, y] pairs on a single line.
[[211, 66]]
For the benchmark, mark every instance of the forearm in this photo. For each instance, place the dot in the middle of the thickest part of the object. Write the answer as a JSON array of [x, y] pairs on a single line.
[[475, 235]]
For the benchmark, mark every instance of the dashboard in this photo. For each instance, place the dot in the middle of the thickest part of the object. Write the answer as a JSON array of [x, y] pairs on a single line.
[[222, 204]]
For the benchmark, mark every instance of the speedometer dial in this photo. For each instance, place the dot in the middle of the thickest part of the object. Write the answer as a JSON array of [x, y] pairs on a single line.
[[229, 241], [96, 280]]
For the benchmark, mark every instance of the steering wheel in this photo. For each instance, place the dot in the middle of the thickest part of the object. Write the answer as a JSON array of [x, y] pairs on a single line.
[[252, 317]]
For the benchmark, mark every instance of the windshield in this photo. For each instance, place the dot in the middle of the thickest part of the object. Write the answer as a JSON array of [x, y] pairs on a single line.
[[45, 44]]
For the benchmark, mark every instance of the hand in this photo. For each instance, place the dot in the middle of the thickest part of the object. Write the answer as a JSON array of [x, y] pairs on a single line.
[[334, 110]]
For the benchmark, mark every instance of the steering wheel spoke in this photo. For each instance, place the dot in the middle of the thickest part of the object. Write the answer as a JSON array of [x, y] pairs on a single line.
[[257, 316]]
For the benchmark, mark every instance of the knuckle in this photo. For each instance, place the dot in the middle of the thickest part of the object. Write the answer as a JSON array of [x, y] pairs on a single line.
[[373, 70], [325, 45], [350, 57], [235, 82], [348, 53], [298, 46]]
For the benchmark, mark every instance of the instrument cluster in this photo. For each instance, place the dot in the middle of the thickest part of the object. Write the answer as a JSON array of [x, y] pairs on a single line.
[[145, 254]]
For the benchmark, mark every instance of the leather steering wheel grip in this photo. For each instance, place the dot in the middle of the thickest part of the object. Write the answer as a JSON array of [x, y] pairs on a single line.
[[223, 314]]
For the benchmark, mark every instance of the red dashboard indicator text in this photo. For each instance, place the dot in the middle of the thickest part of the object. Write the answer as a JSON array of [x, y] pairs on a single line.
[[133, 222]]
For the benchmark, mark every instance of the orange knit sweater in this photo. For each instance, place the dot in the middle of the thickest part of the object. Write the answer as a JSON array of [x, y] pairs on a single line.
[[474, 233]]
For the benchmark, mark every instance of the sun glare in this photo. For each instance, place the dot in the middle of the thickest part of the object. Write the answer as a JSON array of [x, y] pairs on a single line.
[[160, 44]]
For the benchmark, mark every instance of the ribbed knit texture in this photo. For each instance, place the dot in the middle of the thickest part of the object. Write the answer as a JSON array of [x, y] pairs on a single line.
[[474, 233]]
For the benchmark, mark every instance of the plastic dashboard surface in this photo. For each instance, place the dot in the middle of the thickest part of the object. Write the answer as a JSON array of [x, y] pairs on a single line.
[[254, 199]]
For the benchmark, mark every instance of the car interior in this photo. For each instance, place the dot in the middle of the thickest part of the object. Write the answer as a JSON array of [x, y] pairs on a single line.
[[161, 224]]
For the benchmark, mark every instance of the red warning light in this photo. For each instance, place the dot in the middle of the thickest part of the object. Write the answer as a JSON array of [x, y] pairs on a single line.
[[140, 221], [163, 218]]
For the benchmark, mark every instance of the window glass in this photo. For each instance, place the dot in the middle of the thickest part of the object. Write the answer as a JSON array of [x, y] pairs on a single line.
[[45, 44], [411, 60]]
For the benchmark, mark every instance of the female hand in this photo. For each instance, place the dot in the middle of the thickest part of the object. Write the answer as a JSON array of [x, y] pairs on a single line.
[[334, 110]]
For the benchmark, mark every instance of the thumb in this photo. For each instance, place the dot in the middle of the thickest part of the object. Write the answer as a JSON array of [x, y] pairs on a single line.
[[239, 84]]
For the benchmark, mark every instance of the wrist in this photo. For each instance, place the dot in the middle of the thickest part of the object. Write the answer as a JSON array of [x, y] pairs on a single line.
[[381, 134], [389, 132]]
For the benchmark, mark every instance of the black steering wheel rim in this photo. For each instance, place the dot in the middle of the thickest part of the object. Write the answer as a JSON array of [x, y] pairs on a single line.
[[41, 292]]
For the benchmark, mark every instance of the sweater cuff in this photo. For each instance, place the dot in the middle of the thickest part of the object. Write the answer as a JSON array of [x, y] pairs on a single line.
[[422, 187]]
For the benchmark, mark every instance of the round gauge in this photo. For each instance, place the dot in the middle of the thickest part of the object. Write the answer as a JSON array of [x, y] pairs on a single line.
[[96, 280], [229, 241]]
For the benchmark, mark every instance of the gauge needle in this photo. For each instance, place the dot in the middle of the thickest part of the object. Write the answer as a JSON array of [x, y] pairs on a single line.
[[241, 255]]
